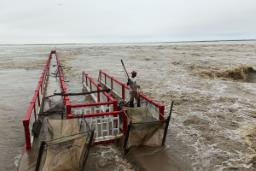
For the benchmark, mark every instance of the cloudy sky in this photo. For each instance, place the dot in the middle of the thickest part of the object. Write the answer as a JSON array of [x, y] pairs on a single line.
[[101, 21]]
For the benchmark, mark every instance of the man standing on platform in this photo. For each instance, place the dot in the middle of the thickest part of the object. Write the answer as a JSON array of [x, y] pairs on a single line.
[[133, 88]]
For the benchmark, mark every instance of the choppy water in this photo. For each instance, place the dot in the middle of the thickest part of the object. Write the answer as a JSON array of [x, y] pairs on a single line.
[[214, 119]]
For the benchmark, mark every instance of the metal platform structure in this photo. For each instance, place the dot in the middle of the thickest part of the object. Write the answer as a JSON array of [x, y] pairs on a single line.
[[101, 113]]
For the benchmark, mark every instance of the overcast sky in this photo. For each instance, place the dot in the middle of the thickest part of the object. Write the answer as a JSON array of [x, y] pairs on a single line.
[[101, 21]]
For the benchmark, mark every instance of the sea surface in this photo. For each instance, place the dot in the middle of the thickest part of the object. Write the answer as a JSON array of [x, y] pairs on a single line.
[[213, 85]]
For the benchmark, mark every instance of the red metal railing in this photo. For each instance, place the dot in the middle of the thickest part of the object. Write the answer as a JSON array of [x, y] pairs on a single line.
[[63, 86], [36, 103], [122, 90], [117, 86], [90, 82], [102, 98]]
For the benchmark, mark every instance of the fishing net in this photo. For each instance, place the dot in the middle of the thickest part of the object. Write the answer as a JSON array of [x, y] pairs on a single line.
[[61, 128], [140, 114], [144, 129], [67, 149]]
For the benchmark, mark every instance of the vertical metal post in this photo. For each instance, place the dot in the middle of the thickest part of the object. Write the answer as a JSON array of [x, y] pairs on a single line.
[[40, 154], [98, 93], [68, 108], [38, 98], [126, 138], [161, 113], [123, 92], [27, 134], [86, 80], [34, 108], [138, 102], [100, 76], [111, 83], [85, 152], [167, 124], [115, 105]]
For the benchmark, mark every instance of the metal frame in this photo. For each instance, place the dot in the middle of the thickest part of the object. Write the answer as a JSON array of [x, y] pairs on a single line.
[[36, 103], [103, 76], [102, 99]]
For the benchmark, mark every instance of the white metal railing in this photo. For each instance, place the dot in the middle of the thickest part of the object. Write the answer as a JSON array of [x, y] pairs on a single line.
[[105, 127]]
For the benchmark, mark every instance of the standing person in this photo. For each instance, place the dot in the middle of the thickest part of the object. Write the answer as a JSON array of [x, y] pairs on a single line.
[[133, 88]]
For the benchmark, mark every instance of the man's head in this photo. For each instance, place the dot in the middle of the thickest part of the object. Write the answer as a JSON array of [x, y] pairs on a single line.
[[134, 74]]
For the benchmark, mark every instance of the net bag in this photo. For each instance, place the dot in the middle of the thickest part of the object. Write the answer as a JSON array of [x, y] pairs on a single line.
[[66, 152], [144, 129]]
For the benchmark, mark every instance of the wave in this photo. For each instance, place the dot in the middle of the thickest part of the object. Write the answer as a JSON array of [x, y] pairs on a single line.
[[240, 73]]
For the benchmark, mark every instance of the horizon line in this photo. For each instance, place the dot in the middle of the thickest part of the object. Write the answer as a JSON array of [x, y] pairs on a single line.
[[186, 41]]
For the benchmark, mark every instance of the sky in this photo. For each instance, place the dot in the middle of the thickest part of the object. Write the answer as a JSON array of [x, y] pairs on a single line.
[[125, 21]]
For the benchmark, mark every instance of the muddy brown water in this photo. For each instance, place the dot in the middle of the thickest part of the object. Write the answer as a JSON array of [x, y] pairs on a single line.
[[214, 121]]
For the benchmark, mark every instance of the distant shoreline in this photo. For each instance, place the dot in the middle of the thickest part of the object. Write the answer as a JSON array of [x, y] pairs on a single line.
[[196, 41]]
